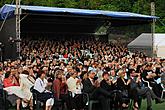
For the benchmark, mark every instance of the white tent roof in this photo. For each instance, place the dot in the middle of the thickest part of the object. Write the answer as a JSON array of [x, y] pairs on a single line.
[[145, 39]]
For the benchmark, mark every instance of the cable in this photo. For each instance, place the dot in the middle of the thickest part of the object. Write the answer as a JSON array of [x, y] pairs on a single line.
[[5, 17], [161, 22]]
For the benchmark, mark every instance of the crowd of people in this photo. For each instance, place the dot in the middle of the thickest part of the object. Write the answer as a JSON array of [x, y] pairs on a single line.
[[55, 68]]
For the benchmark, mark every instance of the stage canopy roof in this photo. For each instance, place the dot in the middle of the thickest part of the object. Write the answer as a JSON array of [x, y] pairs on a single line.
[[40, 19], [83, 12]]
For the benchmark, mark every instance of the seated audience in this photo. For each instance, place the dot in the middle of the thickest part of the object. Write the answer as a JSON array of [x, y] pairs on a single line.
[[123, 86], [92, 87], [60, 87], [43, 94], [149, 76], [26, 82], [11, 85], [138, 90], [75, 86], [81, 60]]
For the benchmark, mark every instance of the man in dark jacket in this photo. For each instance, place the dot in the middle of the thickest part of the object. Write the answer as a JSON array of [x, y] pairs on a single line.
[[109, 85], [92, 87]]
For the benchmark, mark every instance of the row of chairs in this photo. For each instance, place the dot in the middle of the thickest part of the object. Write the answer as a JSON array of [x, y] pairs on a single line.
[[59, 104], [89, 104], [4, 101]]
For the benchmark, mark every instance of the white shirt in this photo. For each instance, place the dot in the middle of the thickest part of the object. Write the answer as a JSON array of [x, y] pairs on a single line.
[[40, 85], [73, 86], [91, 81], [71, 82], [25, 85]]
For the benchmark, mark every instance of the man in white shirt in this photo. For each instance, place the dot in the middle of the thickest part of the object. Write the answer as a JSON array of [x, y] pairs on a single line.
[[74, 84]]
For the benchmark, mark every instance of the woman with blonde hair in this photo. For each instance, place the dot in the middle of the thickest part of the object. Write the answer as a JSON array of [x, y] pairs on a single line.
[[123, 86]]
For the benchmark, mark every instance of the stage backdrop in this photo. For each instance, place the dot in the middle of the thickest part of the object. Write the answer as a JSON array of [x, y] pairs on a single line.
[[9, 50]]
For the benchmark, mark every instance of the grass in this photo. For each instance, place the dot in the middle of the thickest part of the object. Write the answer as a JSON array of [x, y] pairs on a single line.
[[143, 106], [154, 106]]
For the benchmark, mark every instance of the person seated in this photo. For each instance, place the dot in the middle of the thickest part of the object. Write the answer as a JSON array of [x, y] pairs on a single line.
[[148, 75], [1, 78], [11, 85], [163, 76], [109, 85], [1, 88], [75, 86], [137, 90], [123, 86], [113, 78], [92, 87], [26, 82], [43, 94]]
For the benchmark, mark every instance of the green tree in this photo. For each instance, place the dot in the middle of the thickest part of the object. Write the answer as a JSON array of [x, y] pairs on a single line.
[[137, 6], [122, 5], [141, 6], [2, 2]]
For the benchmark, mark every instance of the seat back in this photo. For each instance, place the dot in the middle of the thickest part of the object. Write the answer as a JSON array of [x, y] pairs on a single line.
[[36, 102], [146, 83]]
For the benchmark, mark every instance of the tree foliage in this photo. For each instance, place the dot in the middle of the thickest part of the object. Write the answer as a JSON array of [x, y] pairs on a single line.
[[137, 6]]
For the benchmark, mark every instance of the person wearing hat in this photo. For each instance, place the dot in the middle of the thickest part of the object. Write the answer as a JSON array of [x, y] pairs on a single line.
[[92, 87], [43, 94]]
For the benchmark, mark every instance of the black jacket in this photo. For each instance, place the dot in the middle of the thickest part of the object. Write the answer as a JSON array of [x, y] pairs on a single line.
[[105, 85], [87, 86]]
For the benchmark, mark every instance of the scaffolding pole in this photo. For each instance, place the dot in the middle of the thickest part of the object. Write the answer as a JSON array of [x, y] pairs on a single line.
[[153, 29], [18, 30]]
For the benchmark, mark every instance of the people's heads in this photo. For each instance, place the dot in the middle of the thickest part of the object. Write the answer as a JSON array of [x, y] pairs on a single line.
[[20, 69], [42, 74], [25, 72], [1, 71], [13, 70], [163, 69], [45, 69], [8, 74], [1, 64], [74, 73], [18, 61], [149, 66], [113, 73], [105, 76], [69, 69], [92, 73], [132, 73], [59, 74], [121, 73], [79, 65]]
